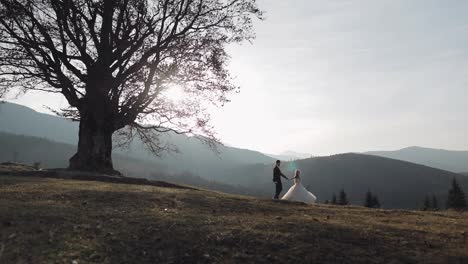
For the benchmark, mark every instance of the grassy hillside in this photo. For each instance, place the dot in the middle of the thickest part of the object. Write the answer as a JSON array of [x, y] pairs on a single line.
[[398, 184], [61, 221]]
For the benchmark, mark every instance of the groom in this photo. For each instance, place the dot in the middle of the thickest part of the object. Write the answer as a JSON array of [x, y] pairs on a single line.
[[277, 174]]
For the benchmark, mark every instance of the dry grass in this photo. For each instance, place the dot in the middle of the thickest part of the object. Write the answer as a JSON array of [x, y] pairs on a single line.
[[7, 167], [60, 221]]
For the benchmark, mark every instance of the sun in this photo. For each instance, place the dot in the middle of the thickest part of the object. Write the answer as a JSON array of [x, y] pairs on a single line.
[[175, 93]]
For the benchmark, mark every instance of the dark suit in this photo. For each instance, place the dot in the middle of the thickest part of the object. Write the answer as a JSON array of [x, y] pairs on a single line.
[[277, 174]]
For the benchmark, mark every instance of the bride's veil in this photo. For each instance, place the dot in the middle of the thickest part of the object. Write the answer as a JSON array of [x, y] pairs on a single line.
[[296, 173]]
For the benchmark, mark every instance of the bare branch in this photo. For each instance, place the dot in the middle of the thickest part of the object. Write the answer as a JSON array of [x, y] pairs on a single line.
[[116, 61]]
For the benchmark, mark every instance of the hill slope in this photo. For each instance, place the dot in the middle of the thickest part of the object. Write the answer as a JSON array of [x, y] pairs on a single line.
[[50, 154], [52, 220], [194, 156], [455, 161], [398, 184]]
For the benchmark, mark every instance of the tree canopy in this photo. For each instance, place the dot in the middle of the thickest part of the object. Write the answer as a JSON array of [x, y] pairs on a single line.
[[343, 198], [371, 200], [114, 61], [456, 197]]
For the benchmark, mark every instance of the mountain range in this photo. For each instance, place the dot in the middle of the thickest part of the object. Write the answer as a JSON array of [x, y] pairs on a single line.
[[398, 184], [28, 136], [193, 155], [451, 160], [290, 155], [50, 154]]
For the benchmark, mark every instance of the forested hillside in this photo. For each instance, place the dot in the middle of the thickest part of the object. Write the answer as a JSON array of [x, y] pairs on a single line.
[[398, 184]]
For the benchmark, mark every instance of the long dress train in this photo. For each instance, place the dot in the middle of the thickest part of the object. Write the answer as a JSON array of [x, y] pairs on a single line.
[[299, 193]]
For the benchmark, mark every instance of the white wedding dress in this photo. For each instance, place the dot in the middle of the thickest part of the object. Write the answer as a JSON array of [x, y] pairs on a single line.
[[299, 193]]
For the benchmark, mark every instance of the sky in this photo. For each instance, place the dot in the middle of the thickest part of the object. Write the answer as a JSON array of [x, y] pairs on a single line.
[[334, 76]]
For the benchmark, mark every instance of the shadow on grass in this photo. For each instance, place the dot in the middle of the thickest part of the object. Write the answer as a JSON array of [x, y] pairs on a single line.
[[188, 227], [84, 176]]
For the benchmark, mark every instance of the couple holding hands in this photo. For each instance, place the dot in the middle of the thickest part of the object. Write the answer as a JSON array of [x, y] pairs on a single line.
[[297, 192]]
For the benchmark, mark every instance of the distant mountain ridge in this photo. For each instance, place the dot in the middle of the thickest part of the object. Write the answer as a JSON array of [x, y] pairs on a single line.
[[22, 120], [451, 160], [50, 154], [398, 184], [194, 156], [290, 155]]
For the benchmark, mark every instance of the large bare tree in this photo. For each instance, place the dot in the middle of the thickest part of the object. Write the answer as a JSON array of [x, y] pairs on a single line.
[[113, 60]]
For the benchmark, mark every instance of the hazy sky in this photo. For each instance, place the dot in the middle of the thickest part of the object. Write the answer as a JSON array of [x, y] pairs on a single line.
[[330, 76]]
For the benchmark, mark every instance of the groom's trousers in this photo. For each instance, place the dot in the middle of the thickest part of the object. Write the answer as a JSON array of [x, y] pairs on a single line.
[[279, 188]]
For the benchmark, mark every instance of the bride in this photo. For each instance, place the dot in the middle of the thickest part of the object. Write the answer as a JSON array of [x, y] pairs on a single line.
[[298, 192]]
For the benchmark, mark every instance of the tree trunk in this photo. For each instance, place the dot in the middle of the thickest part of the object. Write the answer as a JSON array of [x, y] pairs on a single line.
[[94, 145]]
